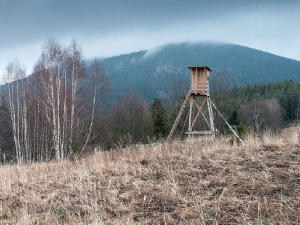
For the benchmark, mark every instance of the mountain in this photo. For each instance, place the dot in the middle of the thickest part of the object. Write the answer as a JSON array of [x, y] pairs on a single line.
[[149, 73]]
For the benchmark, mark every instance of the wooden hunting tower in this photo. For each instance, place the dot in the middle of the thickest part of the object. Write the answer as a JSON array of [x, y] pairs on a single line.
[[200, 105], [200, 80], [200, 111]]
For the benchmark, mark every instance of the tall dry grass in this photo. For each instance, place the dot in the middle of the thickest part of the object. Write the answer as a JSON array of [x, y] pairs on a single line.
[[198, 181]]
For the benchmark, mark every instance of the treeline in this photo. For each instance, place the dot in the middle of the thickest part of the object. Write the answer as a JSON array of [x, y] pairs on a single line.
[[257, 107], [287, 93], [250, 109]]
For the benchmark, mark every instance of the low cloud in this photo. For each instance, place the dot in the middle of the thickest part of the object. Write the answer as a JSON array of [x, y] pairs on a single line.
[[152, 52], [141, 25]]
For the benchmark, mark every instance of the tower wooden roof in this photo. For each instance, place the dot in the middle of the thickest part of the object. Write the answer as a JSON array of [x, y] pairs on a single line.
[[200, 68]]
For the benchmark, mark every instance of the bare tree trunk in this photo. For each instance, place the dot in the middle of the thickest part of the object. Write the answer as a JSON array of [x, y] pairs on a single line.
[[24, 119], [96, 70], [100, 86], [14, 121], [17, 102], [65, 112], [75, 58]]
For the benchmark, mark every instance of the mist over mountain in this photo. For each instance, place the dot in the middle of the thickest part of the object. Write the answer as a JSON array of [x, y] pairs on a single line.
[[149, 73]]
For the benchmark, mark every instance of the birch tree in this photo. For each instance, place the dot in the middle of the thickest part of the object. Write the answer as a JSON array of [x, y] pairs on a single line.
[[100, 87], [49, 68], [60, 119], [62, 76], [77, 72], [40, 122], [17, 97]]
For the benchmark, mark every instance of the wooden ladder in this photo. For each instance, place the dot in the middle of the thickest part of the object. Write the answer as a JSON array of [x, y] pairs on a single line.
[[186, 100]]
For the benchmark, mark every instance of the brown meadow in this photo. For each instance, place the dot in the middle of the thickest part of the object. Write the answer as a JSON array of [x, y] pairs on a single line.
[[198, 181]]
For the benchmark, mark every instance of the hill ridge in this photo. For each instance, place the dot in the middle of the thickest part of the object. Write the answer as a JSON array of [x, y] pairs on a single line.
[[149, 72]]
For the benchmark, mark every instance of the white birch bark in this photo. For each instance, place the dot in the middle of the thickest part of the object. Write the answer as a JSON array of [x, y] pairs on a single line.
[[14, 75], [76, 60], [95, 70], [100, 86]]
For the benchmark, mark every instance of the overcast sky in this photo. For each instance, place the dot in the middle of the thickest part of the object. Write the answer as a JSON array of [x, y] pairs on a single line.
[[114, 27]]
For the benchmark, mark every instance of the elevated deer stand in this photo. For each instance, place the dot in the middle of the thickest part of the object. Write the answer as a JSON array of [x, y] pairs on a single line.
[[199, 97], [200, 106], [200, 110]]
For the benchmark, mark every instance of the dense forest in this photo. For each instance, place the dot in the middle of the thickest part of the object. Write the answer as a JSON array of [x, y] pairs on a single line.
[[261, 106], [68, 108]]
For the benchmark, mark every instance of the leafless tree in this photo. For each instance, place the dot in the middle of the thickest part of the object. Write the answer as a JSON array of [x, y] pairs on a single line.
[[261, 115], [130, 117], [178, 89], [52, 78], [76, 74], [220, 83], [60, 71], [100, 87], [49, 110], [17, 97]]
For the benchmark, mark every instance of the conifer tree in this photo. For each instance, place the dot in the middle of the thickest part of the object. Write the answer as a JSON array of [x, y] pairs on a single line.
[[160, 119]]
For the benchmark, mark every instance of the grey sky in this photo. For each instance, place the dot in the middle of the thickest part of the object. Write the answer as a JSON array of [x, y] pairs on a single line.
[[114, 27]]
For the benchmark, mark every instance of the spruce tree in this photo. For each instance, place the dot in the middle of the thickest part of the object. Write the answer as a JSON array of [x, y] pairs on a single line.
[[160, 119]]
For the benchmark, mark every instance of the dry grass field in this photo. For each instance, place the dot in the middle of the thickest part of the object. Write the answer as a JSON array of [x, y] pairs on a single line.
[[200, 181]]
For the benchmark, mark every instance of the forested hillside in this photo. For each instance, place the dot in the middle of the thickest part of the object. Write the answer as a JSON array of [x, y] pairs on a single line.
[[63, 109], [149, 73]]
